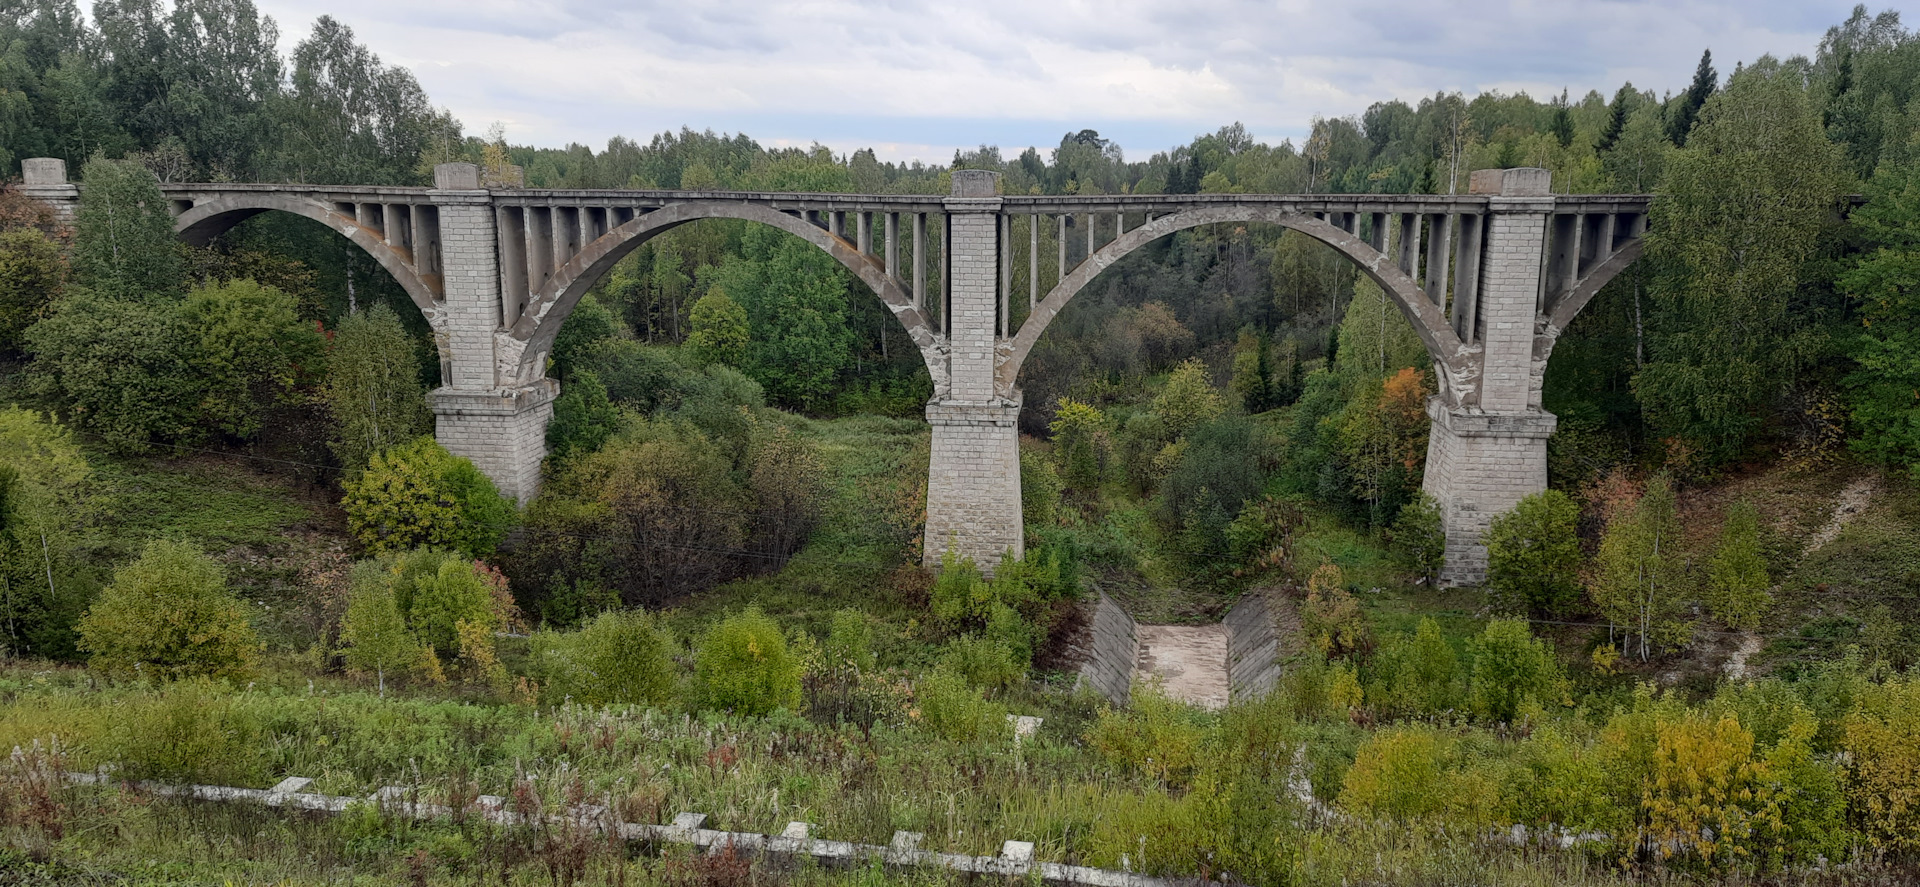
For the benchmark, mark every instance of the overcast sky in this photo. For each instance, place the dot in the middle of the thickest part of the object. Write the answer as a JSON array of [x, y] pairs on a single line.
[[915, 80]]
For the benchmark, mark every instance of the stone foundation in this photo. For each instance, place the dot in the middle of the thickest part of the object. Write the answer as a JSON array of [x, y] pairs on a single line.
[[504, 432], [973, 483], [1479, 465]]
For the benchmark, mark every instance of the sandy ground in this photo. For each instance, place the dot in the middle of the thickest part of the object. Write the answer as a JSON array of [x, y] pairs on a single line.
[[1191, 661]]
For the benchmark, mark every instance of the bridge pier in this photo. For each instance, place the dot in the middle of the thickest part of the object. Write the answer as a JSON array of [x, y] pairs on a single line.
[[973, 478], [1482, 459]]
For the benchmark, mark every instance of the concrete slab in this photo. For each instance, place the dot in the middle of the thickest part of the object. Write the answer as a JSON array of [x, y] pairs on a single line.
[[1190, 660]]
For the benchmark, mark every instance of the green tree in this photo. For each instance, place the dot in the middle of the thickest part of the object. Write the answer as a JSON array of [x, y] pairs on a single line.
[[1253, 377], [1639, 576], [1885, 284], [1511, 666], [1079, 444], [1737, 580], [744, 665], [374, 631], [588, 325], [119, 370], [1375, 338], [1420, 531], [251, 351], [583, 418], [373, 387], [1694, 100], [170, 614], [795, 298], [1533, 552], [123, 244], [1416, 676], [32, 275], [1188, 399], [720, 333], [419, 495], [442, 600], [1739, 215]]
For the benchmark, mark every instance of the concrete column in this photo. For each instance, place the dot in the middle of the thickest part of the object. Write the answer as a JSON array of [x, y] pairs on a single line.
[[45, 179], [1483, 458], [973, 481], [499, 425]]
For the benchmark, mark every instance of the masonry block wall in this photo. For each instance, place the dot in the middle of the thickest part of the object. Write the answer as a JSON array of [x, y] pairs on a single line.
[[503, 433], [973, 483], [1478, 467]]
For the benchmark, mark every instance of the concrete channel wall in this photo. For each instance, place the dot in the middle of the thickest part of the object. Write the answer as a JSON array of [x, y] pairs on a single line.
[[1253, 648], [1114, 648]]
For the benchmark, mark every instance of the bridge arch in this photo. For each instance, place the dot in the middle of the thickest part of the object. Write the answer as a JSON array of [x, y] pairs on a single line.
[[1450, 355], [209, 219], [540, 322]]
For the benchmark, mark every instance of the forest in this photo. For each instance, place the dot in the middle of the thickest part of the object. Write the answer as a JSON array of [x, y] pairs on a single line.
[[232, 552]]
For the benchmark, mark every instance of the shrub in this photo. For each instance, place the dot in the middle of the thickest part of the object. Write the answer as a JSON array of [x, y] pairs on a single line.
[[1737, 580], [1217, 471], [621, 656], [950, 707], [1405, 774], [192, 731], [170, 614], [986, 662], [1154, 736], [373, 389], [1416, 676], [1511, 666], [1189, 399], [850, 641], [1533, 553], [441, 600], [1882, 738], [419, 495], [1421, 534], [744, 665], [788, 481], [1331, 616], [251, 352], [32, 274], [1040, 489], [119, 370]]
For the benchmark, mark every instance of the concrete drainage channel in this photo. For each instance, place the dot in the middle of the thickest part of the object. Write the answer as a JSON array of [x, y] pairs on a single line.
[[1206, 665], [687, 829]]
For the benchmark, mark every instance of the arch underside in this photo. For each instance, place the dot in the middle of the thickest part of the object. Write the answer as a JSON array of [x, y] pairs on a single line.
[[211, 218], [548, 309], [1456, 361]]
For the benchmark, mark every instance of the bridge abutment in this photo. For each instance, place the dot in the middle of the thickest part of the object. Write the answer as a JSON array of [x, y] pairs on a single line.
[[1480, 465]]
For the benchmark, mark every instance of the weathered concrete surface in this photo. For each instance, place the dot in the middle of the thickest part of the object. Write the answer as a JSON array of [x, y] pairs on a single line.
[[1189, 660], [1253, 646], [1112, 649], [496, 269]]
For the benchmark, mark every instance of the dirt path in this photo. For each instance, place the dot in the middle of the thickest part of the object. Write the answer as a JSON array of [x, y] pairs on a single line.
[[1191, 660], [1852, 501]]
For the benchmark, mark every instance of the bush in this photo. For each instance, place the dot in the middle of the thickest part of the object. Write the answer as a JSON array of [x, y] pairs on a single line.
[[1217, 472], [719, 333], [373, 388], [1154, 736], [1882, 739], [1533, 553], [441, 600], [621, 656], [418, 495], [744, 665], [169, 614], [1421, 534], [1510, 667], [1416, 676], [32, 275], [950, 707], [1079, 445], [1407, 774], [850, 641], [119, 370], [986, 662], [1737, 580], [251, 352], [191, 732], [1331, 616], [1189, 399], [1040, 489]]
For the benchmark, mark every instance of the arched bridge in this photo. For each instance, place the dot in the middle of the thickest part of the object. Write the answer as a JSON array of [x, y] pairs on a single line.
[[1488, 280]]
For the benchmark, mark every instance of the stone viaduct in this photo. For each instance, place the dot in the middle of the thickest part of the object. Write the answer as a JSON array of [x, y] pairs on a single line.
[[1488, 280]]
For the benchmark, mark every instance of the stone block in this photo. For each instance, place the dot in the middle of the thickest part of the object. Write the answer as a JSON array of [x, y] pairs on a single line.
[[43, 171], [456, 177]]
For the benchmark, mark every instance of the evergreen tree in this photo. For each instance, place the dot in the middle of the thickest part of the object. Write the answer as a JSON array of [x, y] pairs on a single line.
[[1705, 81], [1617, 113]]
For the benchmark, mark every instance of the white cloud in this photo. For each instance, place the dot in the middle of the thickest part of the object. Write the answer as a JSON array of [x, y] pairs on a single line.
[[913, 79]]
